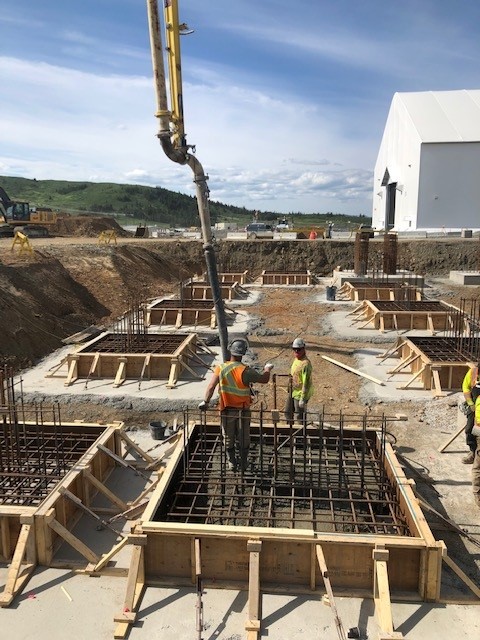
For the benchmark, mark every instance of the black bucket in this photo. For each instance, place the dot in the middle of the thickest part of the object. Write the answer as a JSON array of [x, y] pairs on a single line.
[[157, 430], [331, 291]]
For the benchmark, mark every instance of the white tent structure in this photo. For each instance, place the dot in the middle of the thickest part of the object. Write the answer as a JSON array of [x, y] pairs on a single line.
[[427, 174]]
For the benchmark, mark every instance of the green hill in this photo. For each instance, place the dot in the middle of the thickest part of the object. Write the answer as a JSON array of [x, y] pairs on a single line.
[[144, 204]]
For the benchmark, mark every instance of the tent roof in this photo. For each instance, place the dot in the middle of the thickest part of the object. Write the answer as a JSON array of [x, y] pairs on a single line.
[[444, 116]]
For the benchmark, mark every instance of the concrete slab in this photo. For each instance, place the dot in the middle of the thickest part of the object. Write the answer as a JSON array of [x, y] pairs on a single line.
[[57, 604], [465, 277]]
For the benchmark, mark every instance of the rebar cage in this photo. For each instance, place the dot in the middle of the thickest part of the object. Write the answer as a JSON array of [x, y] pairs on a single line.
[[36, 448], [307, 476]]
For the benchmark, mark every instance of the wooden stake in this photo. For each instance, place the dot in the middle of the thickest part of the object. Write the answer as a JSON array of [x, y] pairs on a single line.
[[328, 587], [252, 626], [462, 575], [15, 581]]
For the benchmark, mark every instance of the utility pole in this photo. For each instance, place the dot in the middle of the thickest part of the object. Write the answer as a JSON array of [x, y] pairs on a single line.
[[172, 137]]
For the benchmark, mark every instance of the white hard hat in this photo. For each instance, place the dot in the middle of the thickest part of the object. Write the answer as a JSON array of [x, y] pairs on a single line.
[[238, 347], [298, 343]]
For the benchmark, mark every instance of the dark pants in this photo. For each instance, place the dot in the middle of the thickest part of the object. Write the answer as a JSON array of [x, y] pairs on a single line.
[[470, 440], [236, 427], [292, 408]]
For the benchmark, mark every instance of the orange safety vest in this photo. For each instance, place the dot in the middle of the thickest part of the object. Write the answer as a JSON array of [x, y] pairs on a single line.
[[233, 392]]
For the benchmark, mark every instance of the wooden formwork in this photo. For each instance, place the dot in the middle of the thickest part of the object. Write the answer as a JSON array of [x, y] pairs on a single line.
[[30, 535], [166, 312], [241, 277], [146, 364], [177, 313], [379, 291], [390, 315], [435, 372], [256, 558], [288, 552], [286, 277], [201, 290]]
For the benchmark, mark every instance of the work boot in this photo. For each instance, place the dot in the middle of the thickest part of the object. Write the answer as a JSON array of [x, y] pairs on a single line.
[[231, 461], [469, 458], [244, 458]]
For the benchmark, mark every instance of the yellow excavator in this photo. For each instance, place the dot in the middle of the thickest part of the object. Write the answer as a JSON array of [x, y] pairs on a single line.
[[172, 137], [18, 215]]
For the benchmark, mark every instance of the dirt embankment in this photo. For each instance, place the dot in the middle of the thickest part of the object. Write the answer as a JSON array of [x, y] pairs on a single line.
[[87, 226], [72, 283]]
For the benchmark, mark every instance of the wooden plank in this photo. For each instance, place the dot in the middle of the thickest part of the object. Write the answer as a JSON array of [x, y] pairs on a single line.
[[5, 537], [134, 592], [105, 490], [253, 623], [72, 374], [355, 371], [381, 592], [121, 374], [108, 556], [14, 581], [146, 365], [73, 541], [404, 363], [328, 587], [133, 445], [462, 575], [94, 364], [174, 373], [413, 378], [121, 461], [199, 626], [313, 565]]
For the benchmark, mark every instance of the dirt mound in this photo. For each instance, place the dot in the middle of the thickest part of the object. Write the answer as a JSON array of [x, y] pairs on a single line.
[[40, 304], [87, 226]]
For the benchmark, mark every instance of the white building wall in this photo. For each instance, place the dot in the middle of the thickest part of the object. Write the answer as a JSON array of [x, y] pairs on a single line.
[[431, 148], [449, 190], [400, 154]]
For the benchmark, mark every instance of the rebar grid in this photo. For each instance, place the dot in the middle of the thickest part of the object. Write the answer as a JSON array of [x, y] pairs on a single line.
[[183, 304], [438, 349], [298, 477], [36, 450], [464, 329], [151, 343], [412, 305]]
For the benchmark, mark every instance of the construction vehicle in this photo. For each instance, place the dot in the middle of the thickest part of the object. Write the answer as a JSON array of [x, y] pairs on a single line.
[[171, 134], [18, 215]]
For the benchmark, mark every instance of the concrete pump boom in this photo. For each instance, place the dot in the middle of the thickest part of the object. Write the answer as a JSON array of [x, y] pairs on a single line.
[[172, 137]]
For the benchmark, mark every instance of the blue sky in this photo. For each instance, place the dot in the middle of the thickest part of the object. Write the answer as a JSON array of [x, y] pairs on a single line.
[[286, 101]]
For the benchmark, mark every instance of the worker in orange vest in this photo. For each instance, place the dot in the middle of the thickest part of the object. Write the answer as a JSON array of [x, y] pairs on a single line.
[[234, 379], [313, 235]]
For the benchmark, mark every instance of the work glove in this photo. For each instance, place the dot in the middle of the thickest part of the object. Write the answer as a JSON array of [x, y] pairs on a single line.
[[301, 404], [268, 366], [203, 406], [472, 408]]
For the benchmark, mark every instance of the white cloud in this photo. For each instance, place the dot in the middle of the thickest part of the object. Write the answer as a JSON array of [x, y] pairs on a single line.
[[84, 125]]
